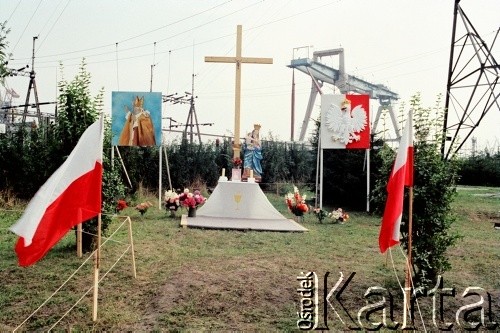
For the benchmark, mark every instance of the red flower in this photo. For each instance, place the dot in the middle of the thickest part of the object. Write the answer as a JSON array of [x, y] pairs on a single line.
[[192, 200], [296, 203], [237, 162]]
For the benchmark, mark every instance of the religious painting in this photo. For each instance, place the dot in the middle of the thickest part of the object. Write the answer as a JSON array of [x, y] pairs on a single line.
[[345, 121], [136, 118]]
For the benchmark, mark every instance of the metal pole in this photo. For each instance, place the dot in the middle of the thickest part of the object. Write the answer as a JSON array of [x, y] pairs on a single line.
[[293, 107], [448, 84]]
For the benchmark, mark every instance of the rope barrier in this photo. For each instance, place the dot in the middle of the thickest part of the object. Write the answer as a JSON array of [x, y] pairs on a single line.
[[411, 281], [73, 274], [86, 293]]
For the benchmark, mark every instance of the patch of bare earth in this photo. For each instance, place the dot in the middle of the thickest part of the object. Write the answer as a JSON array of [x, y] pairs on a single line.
[[237, 294]]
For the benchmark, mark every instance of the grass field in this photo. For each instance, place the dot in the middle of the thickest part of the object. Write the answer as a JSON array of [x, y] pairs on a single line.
[[215, 280]]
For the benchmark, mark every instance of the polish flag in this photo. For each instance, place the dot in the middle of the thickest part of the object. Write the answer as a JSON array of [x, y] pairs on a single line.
[[401, 176], [70, 196]]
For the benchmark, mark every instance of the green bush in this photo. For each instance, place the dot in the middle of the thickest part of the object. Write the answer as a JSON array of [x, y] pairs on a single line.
[[480, 170], [434, 190]]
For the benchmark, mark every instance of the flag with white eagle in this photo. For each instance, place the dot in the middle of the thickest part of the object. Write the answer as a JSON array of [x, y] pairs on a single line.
[[345, 122]]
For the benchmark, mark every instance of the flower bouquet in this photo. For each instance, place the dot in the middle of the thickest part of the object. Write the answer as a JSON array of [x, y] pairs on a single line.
[[296, 203], [143, 207], [237, 162], [121, 205], [339, 215], [191, 201], [236, 171], [320, 214], [172, 202]]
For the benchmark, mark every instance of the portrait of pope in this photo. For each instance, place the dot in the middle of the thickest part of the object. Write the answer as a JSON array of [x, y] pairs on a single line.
[[134, 124]]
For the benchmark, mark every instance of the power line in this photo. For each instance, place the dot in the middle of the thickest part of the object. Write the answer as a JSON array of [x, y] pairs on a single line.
[[15, 9], [53, 25], [27, 24]]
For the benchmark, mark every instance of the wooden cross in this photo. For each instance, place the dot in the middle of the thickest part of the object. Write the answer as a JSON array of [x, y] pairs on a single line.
[[238, 60]]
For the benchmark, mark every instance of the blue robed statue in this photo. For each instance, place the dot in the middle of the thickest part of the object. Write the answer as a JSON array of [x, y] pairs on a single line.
[[252, 153]]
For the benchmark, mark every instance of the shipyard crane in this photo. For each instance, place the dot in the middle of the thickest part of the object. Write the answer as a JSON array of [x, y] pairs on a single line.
[[321, 73]]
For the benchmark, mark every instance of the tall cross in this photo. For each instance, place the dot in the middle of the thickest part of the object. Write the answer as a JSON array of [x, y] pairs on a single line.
[[237, 94]]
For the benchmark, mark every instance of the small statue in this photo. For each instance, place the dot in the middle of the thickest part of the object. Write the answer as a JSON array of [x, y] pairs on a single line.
[[252, 154]]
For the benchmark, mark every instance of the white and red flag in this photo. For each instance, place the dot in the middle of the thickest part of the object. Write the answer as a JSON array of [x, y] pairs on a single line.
[[70, 196], [345, 121], [401, 176]]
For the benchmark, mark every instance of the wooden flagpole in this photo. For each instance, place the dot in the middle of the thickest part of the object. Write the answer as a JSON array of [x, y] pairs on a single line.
[[79, 250], [97, 258], [409, 262]]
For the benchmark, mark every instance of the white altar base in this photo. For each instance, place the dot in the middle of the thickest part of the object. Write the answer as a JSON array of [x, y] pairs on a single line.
[[242, 206]]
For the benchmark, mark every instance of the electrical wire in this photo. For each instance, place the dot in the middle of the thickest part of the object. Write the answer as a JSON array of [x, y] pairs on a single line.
[[26, 26], [53, 25], [117, 76], [15, 9]]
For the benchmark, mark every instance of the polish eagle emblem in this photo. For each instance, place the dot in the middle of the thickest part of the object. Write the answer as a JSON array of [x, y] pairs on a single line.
[[344, 123]]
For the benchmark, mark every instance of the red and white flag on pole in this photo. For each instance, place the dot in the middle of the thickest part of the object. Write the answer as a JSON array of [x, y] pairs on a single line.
[[70, 196], [401, 176]]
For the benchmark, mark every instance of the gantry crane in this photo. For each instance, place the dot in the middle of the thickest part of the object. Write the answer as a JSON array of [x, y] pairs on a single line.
[[321, 73]]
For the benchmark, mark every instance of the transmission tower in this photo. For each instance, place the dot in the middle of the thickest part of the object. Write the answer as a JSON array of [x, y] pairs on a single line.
[[32, 85], [472, 89], [192, 118]]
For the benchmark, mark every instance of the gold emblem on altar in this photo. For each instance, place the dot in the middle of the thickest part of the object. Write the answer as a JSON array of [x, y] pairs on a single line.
[[237, 199]]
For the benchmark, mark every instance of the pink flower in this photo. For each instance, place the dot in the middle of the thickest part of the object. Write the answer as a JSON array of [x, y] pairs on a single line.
[[192, 200]]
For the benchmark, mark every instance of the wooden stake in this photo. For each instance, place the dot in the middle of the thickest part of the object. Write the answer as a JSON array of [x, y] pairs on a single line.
[[79, 251], [97, 258], [131, 239]]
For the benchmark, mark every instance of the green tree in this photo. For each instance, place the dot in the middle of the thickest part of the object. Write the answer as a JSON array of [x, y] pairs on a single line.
[[78, 110], [434, 190], [480, 170], [4, 31]]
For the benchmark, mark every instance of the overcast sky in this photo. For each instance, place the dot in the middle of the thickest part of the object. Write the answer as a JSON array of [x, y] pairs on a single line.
[[403, 44]]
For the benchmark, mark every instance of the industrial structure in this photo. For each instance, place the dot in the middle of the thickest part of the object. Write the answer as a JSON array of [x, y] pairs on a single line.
[[321, 73], [473, 87]]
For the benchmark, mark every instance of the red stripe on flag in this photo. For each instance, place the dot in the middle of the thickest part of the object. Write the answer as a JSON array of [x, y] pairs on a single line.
[[364, 135], [393, 211], [409, 167], [77, 203], [402, 174]]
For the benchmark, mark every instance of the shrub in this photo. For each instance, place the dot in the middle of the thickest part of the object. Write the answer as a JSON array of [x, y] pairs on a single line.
[[434, 190]]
